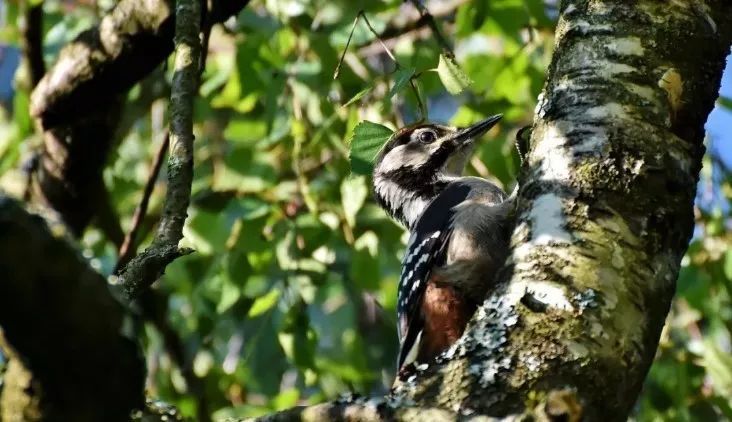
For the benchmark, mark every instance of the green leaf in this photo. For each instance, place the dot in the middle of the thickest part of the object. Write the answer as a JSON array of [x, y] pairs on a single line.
[[230, 294], [264, 303], [364, 269], [353, 195], [719, 368], [452, 77], [360, 94], [286, 399], [725, 102], [367, 140], [728, 265], [401, 79]]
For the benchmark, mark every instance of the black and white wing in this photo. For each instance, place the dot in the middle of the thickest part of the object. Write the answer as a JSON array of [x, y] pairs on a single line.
[[426, 249]]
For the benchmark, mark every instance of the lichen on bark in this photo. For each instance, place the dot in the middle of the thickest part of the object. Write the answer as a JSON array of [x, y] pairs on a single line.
[[604, 211], [604, 215]]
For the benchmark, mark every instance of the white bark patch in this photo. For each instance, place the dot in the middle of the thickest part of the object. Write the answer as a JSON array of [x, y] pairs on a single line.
[[609, 111], [554, 154], [547, 218], [532, 363], [629, 46], [555, 161], [644, 92], [581, 26], [547, 227]]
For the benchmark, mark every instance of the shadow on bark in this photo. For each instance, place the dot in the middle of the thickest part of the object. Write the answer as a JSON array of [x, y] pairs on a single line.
[[62, 330]]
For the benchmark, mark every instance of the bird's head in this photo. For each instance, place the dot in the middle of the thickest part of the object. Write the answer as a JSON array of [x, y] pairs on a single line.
[[418, 161]]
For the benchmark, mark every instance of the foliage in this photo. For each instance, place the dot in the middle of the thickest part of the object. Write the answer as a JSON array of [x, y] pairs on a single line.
[[290, 296]]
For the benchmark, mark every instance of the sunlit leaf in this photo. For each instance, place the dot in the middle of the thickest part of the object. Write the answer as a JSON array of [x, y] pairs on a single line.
[[230, 294], [264, 303], [719, 367], [286, 399], [452, 77], [366, 141], [353, 195], [728, 264]]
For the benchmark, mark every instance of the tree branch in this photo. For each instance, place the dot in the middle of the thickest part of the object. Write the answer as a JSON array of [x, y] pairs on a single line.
[[127, 250], [32, 30], [61, 329], [604, 215], [144, 269], [79, 101]]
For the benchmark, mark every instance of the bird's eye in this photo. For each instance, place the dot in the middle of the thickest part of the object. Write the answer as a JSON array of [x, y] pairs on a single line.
[[427, 136]]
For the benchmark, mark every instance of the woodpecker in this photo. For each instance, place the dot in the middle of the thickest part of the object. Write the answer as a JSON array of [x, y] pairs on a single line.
[[459, 232]]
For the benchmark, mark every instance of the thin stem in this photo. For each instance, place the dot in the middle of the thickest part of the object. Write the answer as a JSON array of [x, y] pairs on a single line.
[[362, 14], [373, 31], [343, 56], [420, 104], [441, 40], [128, 245]]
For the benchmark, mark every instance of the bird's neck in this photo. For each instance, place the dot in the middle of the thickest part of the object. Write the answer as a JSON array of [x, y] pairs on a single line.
[[406, 204]]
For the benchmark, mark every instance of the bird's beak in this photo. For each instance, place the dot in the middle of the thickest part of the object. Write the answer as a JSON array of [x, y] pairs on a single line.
[[475, 131]]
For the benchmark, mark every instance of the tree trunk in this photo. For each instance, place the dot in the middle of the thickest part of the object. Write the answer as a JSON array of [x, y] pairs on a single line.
[[604, 217]]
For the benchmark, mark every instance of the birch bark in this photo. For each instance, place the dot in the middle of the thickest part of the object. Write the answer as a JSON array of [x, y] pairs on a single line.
[[604, 216]]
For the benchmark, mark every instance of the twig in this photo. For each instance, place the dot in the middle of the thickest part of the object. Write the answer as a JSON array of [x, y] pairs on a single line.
[[373, 31], [128, 245], [393, 31], [343, 56], [420, 104], [362, 14], [32, 29], [441, 40], [145, 268]]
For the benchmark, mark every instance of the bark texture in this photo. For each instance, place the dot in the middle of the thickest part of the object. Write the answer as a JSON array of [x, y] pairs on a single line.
[[61, 330], [604, 216], [147, 267], [79, 100]]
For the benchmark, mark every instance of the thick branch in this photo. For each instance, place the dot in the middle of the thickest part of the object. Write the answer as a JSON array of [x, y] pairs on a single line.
[[107, 60], [62, 329], [79, 101], [142, 271], [359, 409]]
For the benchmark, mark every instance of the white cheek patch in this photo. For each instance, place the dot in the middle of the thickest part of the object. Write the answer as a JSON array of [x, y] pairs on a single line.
[[402, 156]]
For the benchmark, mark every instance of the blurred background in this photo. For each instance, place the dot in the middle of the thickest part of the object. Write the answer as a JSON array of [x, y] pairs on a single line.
[[290, 296]]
